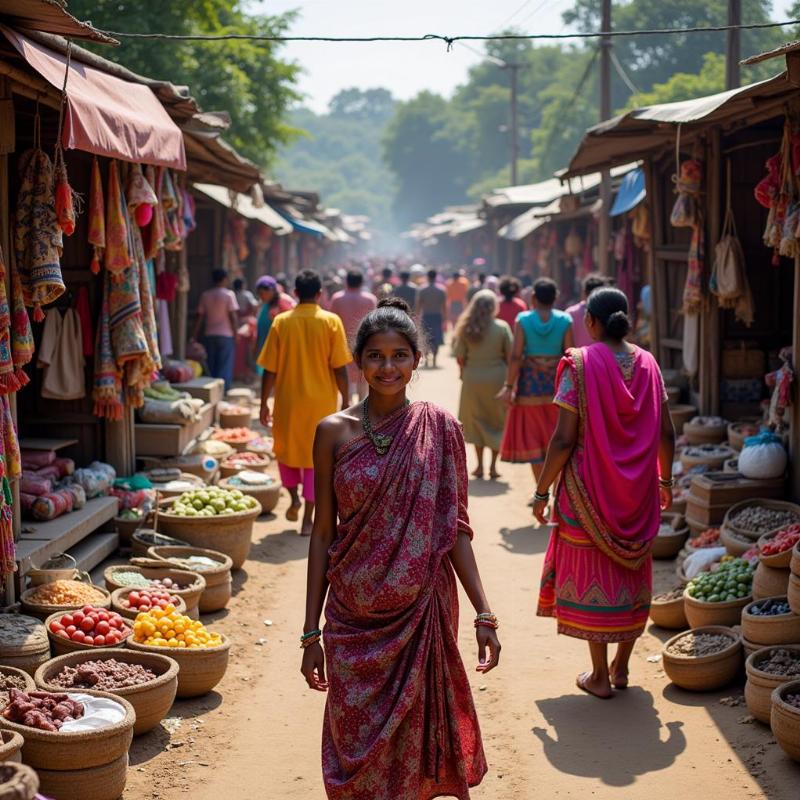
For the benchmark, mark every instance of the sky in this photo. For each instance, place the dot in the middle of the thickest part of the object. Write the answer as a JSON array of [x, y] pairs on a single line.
[[405, 68]]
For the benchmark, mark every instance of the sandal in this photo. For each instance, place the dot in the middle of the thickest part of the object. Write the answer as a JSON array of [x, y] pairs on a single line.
[[293, 512]]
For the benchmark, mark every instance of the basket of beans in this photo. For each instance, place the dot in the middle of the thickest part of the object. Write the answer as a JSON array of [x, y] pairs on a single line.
[[42, 601], [179, 582], [770, 621], [672, 533], [13, 678], [86, 628], [767, 669], [711, 456], [785, 718], [775, 549], [17, 781], [718, 597], [129, 602], [703, 659], [754, 518], [148, 681], [667, 610]]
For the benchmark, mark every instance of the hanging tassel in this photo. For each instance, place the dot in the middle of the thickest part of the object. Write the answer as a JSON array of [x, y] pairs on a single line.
[[95, 264], [38, 314]]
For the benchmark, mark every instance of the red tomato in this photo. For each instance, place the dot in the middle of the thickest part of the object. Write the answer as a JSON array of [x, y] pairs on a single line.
[[71, 629], [63, 634], [89, 640], [99, 640], [77, 617], [116, 622], [56, 626], [102, 627], [87, 624], [112, 638], [67, 620], [103, 616], [144, 607], [78, 636], [88, 609]]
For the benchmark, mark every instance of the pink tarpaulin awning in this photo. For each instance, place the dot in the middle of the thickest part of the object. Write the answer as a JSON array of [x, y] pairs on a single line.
[[104, 114]]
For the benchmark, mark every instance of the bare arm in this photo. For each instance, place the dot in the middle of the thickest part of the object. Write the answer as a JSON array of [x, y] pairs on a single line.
[[234, 324], [343, 385], [267, 385], [666, 453], [198, 325], [514, 363], [322, 535], [462, 558], [558, 452], [569, 339]]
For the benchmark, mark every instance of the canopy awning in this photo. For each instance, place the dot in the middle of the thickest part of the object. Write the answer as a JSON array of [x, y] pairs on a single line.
[[104, 114], [463, 226], [310, 227], [49, 16], [636, 133], [631, 192], [523, 225], [244, 205]]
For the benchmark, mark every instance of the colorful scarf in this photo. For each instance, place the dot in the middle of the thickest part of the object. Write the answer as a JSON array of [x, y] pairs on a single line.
[[154, 234], [97, 218], [392, 617], [107, 390], [616, 497], [117, 253], [38, 239]]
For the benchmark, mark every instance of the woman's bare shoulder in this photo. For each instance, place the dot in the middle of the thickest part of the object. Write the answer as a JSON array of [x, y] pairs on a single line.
[[338, 428]]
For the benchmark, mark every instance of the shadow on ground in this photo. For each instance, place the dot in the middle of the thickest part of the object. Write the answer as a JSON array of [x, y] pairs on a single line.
[[480, 487], [614, 747], [279, 548], [527, 540]]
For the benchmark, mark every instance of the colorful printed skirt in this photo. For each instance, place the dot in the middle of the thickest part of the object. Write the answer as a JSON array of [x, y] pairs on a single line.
[[591, 596]]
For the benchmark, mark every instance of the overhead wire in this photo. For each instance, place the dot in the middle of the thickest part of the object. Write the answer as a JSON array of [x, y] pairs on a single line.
[[620, 70]]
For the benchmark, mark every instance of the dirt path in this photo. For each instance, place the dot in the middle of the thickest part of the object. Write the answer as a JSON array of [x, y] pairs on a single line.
[[259, 736]]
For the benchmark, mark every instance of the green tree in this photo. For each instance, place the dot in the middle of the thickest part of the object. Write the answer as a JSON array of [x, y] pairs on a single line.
[[246, 78], [685, 85]]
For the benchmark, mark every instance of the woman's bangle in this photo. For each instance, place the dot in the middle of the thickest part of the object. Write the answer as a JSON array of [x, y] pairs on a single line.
[[487, 620], [666, 484], [542, 498]]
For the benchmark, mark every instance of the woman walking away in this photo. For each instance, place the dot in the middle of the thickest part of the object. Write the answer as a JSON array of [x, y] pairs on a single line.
[[613, 440], [540, 339], [399, 721], [511, 306], [482, 346]]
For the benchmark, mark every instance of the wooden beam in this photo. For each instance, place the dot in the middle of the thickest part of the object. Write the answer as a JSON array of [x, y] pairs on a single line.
[[658, 320], [711, 321], [794, 443]]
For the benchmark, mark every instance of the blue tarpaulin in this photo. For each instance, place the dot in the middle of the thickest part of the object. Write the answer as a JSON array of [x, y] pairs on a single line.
[[631, 193]]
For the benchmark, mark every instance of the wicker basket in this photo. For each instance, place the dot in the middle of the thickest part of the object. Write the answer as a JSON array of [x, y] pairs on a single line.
[[778, 505], [739, 431], [793, 595], [794, 562], [697, 434], [18, 781], [700, 614], [61, 646], [105, 782], [228, 468], [60, 750], [230, 534], [760, 685], [706, 673], [23, 642], [681, 414], [127, 527], [267, 496], [735, 543], [151, 701], [779, 560], [165, 494], [201, 668], [19, 673], [668, 545], [750, 647], [218, 579], [239, 447], [235, 420], [714, 458], [191, 594], [669, 614], [145, 539], [42, 612], [118, 596], [10, 748], [770, 630], [770, 582], [785, 720]]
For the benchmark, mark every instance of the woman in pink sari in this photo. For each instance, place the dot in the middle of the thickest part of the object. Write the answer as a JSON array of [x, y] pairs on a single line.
[[613, 448], [399, 720]]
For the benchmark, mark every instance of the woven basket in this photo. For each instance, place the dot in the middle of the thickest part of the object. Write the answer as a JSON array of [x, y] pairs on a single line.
[[697, 434], [23, 642], [42, 612], [785, 720], [739, 431], [165, 494], [218, 579], [700, 614], [191, 594], [201, 668], [668, 545], [239, 447], [229, 467], [669, 614], [10, 748], [118, 596], [750, 647], [778, 505], [714, 460], [127, 527], [105, 782], [229, 420], [230, 534], [145, 539], [71, 750], [17, 781], [735, 543], [681, 414], [779, 560], [765, 631], [708, 672], [794, 562], [267, 496], [770, 582], [61, 646], [760, 685], [151, 701], [19, 673], [793, 595]]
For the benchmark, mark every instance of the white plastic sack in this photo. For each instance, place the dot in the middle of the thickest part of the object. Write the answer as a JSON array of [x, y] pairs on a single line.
[[98, 713], [701, 560], [763, 461]]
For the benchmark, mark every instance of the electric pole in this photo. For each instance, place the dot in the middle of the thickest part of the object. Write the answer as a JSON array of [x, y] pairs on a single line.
[[733, 51], [604, 228], [514, 71]]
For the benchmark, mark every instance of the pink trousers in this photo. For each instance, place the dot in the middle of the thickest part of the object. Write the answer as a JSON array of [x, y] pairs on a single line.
[[292, 477]]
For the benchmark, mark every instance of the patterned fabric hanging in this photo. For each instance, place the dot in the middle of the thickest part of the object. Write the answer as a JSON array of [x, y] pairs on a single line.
[[97, 218], [117, 254]]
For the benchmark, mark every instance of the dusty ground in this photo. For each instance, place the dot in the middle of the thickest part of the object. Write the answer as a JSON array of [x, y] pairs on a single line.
[[258, 735]]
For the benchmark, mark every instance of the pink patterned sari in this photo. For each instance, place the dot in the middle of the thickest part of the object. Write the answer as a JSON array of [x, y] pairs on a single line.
[[597, 577], [400, 722]]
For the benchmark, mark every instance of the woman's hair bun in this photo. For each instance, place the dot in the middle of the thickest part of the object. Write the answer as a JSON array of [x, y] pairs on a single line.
[[618, 325], [395, 302]]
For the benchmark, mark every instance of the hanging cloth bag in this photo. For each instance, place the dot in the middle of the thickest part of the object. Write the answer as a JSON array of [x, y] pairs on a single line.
[[729, 278]]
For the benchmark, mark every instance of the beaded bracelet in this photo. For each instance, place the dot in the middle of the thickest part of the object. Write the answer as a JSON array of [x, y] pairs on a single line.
[[488, 620], [312, 637], [666, 484]]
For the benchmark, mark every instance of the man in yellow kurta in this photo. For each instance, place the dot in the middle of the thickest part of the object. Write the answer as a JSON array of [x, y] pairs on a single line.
[[304, 361]]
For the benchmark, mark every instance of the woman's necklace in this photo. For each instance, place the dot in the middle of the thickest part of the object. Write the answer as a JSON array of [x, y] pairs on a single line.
[[380, 441]]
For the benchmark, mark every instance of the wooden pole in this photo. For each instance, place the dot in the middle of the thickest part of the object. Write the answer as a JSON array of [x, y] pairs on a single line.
[[604, 227], [733, 50], [182, 307], [794, 444]]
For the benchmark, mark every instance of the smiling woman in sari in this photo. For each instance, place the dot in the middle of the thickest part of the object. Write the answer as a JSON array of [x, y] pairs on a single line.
[[399, 720], [613, 439]]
